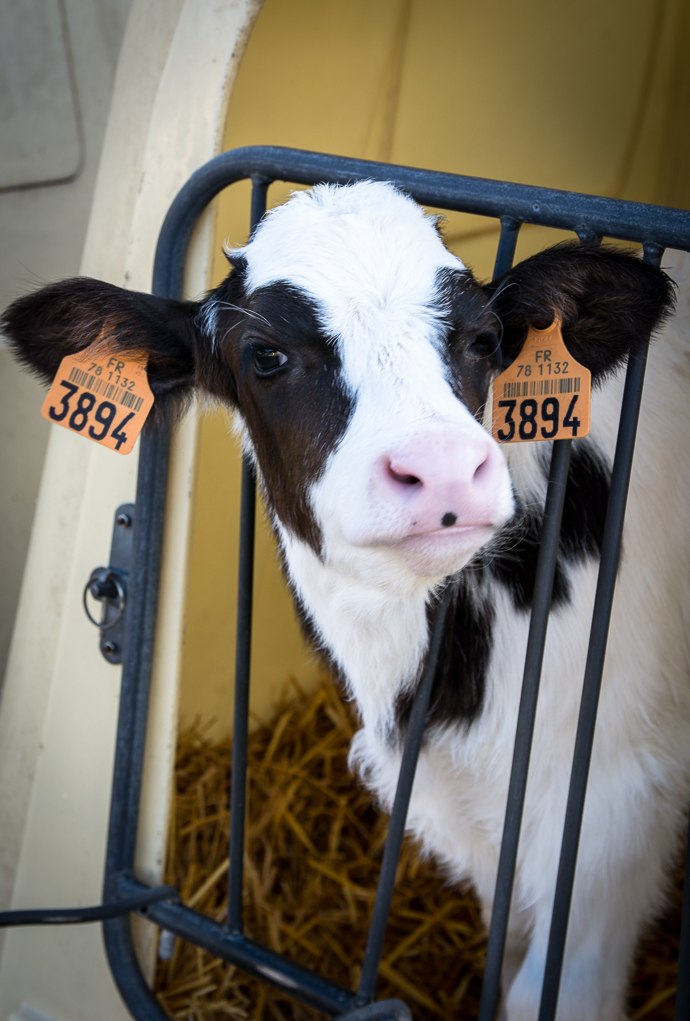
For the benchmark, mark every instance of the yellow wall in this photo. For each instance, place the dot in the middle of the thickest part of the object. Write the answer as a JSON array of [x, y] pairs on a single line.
[[591, 96]]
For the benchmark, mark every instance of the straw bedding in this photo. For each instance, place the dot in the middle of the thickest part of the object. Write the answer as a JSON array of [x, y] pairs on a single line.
[[314, 849]]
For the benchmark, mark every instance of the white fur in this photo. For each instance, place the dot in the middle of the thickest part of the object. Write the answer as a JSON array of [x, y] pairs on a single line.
[[368, 257]]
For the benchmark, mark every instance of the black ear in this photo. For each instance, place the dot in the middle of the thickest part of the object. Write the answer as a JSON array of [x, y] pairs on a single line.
[[609, 302], [67, 317]]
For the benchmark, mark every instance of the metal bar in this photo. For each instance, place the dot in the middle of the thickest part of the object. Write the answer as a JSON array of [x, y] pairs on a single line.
[[396, 827], [152, 480], [82, 916], [586, 234], [682, 1012], [243, 649], [549, 207], [383, 1010], [601, 616], [133, 715], [543, 588], [252, 957], [507, 241], [588, 216], [238, 783], [260, 186]]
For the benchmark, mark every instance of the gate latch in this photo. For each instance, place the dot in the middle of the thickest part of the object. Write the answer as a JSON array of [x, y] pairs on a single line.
[[108, 585]]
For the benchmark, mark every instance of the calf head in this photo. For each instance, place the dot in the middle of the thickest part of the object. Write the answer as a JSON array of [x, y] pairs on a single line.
[[358, 353]]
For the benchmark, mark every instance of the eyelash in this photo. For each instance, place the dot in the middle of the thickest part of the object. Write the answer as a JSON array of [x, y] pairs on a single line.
[[267, 360], [485, 344]]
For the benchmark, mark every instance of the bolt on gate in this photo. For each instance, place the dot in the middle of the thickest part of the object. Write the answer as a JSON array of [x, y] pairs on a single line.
[[591, 218]]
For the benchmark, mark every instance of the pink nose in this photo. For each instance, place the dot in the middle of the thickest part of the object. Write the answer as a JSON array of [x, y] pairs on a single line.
[[443, 480]]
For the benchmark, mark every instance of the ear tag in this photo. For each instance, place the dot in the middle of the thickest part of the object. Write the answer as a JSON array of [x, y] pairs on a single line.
[[544, 395], [101, 396]]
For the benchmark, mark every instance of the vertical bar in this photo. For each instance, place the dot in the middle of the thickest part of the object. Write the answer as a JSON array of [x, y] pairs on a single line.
[[601, 616], [505, 253], [543, 588], [245, 589], [149, 521], [133, 714], [541, 607], [260, 187], [682, 1012], [396, 828], [238, 787], [587, 235]]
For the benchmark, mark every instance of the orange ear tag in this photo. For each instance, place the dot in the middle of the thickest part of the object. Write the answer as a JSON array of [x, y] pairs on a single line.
[[103, 397], [544, 395]]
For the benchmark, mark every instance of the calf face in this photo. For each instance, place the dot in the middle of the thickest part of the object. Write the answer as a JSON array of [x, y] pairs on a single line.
[[387, 375], [359, 352]]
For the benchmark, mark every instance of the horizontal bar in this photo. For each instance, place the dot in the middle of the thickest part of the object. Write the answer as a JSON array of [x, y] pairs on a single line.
[[80, 916], [549, 207], [382, 1010], [252, 957]]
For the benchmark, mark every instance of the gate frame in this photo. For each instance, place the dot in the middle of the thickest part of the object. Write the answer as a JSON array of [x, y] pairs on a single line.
[[591, 218]]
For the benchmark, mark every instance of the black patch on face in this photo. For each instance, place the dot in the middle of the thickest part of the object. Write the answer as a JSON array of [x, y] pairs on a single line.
[[471, 342], [295, 413], [460, 682]]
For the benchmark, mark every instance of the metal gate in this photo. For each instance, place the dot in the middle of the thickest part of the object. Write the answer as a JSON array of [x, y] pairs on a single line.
[[591, 218]]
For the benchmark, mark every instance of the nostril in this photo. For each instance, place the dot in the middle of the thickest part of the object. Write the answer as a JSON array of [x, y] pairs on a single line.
[[481, 469], [406, 480]]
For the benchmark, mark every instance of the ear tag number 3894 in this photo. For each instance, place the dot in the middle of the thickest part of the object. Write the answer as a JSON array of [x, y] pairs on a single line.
[[544, 395], [101, 396]]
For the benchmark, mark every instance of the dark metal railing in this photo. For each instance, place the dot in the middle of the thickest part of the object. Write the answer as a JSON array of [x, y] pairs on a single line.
[[590, 217]]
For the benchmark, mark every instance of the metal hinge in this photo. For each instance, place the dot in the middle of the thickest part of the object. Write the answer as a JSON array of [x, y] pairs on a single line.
[[108, 585]]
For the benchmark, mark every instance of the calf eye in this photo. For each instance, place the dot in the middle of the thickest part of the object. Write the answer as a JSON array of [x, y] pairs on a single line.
[[267, 360], [485, 344]]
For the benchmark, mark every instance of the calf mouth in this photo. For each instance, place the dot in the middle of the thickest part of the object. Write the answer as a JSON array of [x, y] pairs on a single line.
[[442, 551]]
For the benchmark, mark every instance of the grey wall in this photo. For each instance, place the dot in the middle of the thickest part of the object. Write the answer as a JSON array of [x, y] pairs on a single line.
[[57, 65]]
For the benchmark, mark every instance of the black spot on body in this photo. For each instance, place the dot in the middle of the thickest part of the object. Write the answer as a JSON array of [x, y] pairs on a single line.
[[457, 695], [586, 501], [460, 682], [514, 562], [449, 519]]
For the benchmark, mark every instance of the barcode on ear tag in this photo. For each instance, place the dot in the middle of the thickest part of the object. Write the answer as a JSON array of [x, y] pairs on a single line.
[[544, 395], [104, 397]]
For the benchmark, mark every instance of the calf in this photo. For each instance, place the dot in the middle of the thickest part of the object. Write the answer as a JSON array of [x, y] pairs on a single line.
[[357, 353]]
